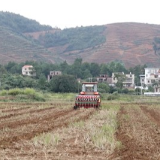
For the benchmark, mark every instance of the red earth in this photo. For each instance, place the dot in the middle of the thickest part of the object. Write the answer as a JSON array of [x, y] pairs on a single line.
[[138, 132]]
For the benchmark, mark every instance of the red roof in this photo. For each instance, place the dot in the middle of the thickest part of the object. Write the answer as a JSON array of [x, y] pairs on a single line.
[[27, 66]]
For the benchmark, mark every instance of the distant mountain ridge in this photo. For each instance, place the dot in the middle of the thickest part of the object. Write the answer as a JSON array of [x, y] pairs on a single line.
[[130, 43]]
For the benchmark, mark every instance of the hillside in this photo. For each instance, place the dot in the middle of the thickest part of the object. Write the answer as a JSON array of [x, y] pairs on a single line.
[[131, 43], [14, 46]]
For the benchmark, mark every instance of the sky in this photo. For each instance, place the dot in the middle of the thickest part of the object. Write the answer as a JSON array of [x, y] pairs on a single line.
[[75, 13]]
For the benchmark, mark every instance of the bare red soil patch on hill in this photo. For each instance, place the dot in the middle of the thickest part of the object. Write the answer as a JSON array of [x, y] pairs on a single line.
[[131, 43]]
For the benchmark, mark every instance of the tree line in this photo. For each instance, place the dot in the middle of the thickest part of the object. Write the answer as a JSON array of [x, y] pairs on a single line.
[[78, 38], [20, 24], [11, 75]]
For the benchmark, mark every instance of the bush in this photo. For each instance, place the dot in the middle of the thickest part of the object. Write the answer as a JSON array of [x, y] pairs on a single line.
[[125, 90], [29, 91], [22, 94], [4, 92], [15, 91], [113, 96]]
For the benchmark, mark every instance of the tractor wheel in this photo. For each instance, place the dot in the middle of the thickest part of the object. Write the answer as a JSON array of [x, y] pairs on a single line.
[[75, 107]]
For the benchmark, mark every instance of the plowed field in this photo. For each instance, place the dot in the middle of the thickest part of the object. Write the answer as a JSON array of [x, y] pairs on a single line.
[[20, 123], [55, 131], [139, 132]]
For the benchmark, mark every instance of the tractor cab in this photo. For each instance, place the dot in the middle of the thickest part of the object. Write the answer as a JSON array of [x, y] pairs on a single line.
[[88, 97], [89, 88]]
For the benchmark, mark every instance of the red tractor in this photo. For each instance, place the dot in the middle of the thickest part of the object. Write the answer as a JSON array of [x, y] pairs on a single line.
[[88, 97]]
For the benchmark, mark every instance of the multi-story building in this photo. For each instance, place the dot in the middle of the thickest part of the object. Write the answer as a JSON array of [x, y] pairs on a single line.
[[102, 78], [28, 70], [142, 79], [152, 75], [53, 73], [127, 79]]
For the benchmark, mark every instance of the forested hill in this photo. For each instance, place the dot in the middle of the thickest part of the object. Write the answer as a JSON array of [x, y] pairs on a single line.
[[20, 24], [130, 43]]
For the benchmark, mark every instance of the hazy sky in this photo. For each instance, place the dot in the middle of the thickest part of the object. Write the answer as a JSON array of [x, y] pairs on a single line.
[[72, 13]]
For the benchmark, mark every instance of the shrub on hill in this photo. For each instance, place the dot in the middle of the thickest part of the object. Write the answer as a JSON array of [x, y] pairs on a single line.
[[77, 38], [20, 24]]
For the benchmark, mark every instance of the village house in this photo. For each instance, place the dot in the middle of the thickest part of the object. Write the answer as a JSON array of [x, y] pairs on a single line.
[[102, 78], [128, 79], [152, 75], [53, 73], [28, 70], [151, 78]]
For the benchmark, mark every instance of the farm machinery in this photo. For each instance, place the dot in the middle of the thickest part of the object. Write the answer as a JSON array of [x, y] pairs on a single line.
[[88, 97]]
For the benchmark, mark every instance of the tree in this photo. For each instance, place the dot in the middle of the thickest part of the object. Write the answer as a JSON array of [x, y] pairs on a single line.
[[138, 70], [105, 69], [103, 88], [63, 83], [77, 67], [121, 78], [94, 69], [42, 82]]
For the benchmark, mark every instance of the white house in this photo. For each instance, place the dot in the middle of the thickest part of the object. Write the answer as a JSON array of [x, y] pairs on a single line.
[[28, 70], [152, 75], [151, 78], [128, 79]]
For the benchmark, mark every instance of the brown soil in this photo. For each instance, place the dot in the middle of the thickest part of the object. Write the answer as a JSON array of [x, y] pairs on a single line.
[[23, 124], [139, 133]]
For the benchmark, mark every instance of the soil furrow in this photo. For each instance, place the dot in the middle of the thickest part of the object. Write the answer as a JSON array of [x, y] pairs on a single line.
[[139, 136], [43, 127], [32, 120], [26, 112], [154, 116], [14, 109]]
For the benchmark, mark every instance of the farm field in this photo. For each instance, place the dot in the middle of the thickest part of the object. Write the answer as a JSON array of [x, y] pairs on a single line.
[[138, 131], [53, 130]]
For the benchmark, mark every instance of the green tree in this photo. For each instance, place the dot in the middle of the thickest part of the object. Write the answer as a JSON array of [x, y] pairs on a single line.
[[42, 82], [138, 70], [103, 88], [95, 69], [63, 83], [121, 78]]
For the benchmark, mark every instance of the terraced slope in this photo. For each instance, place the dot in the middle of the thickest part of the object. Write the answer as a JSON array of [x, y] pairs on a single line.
[[15, 47], [131, 43]]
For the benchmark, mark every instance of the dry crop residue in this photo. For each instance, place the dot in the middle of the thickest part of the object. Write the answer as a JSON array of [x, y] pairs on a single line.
[[139, 132], [20, 123]]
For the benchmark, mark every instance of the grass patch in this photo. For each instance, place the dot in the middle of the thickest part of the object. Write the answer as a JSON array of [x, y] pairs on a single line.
[[46, 139], [26, 94], [103, 135], [79, 124]]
